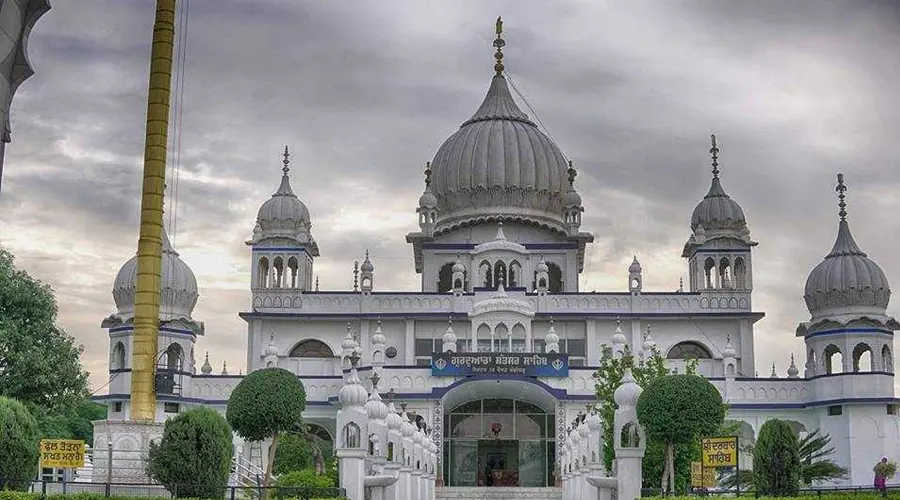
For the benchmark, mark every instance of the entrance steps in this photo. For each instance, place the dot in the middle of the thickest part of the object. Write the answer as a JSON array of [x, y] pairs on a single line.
[[498, 493]]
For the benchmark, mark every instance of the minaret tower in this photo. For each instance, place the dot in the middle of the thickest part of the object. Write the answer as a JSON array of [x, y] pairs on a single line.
[[283, 246], [849, 345], [718, 250]]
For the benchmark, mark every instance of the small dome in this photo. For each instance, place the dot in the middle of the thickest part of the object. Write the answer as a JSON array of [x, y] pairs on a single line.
[[206, 369], [572, 199], [367, 266], [627, 394], [846, 278], [378, 338], [450, 335], [458, 267], [408, 429], [375, 407], [178, 295], [793, 372], [283, 214], [428, 199], [394, 422], [551, 337], [353, 393], [718, 211], [635, 267], [618, 337], [349, 344]]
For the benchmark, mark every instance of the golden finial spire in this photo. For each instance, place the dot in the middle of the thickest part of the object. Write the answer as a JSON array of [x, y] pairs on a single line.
[[499, 43]]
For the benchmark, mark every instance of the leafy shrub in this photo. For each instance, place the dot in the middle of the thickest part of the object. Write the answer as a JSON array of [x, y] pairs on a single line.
[[20, 440], [886, 469], [776, 460], [193, 457], [305, 478]]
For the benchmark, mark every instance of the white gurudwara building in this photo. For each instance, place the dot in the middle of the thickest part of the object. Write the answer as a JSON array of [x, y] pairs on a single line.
[[496, 353]]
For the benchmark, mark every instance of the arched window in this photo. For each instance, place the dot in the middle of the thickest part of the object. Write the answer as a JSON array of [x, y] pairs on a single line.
[[862, 358], [445, 278], [724, 273], [555, 274], [740, 274], [293, 267], [278, 265], [887, 361], [311, 349], [118, 356], [500, 274], [351, 435], [630, 437], [262, 273], [515, 274], [709, 273], [689, 350], [834, 360], [484, 272], [174, 357]]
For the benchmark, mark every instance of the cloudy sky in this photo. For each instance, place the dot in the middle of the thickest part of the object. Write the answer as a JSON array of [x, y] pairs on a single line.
[[365, 92]]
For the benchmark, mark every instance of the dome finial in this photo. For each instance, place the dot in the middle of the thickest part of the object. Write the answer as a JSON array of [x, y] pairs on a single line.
[[714, 151], [841, 189], [427, 174], [572, 173], [499, 43], [286, 161]]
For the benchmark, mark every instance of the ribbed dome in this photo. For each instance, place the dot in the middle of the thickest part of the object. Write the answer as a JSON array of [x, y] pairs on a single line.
[[847, 277], [627, 394], [717, 210], [178, 294], [394, 422], [499, 162], [284, 214]]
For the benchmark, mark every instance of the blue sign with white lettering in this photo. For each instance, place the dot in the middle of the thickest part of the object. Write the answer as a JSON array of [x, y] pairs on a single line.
[[462, 364]]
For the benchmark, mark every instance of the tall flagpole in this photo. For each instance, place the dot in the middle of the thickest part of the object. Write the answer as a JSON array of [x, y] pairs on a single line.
[[149, 260]]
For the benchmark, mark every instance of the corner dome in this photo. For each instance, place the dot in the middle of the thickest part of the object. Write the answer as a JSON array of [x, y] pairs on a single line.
[[846, 281], [717, 211], [499, 162], [847, 277], [178, 294], [283, 214]]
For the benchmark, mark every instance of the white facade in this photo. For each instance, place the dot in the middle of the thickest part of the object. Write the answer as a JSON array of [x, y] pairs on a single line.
[[500, 249]]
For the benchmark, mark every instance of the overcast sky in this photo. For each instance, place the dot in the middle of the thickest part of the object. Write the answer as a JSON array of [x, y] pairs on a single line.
[[365, 92]]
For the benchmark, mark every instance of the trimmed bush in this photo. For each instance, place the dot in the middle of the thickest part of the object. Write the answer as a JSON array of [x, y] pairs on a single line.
[[20, 441], [306, 478], [193, 458], [776, 460], [265, 404]]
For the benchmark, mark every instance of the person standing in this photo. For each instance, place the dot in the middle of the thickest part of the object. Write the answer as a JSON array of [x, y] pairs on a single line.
[[881, 476]]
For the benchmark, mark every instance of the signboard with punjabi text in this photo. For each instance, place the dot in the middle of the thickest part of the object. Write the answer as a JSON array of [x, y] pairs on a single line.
[[62, 453], [702, 477], [462, 364], [719, 451]]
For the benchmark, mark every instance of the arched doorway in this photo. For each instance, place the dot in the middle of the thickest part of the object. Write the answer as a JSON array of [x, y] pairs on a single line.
[[499, 433]]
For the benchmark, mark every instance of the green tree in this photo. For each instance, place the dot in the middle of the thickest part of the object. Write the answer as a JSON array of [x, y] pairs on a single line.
[[39, 361], [814, 466], [19, 441], [265, 404], [645, 370], [678, 410], [776, 460], [302, 449], [193, 458]]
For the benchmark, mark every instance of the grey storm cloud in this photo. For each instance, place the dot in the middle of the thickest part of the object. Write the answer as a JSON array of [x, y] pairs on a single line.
[[365, 92]]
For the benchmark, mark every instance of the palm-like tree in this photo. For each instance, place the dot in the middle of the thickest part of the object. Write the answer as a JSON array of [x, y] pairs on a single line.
[[815, 467]]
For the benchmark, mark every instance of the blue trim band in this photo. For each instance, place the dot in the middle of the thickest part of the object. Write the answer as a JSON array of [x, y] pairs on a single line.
[[166, 329], [836, 331]]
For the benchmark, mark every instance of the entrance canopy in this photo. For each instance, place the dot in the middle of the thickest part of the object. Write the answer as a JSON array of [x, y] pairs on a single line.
[[530, 391]]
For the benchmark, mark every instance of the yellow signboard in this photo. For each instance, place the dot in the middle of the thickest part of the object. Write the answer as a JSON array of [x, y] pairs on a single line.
[[62, 453], [702, 477], [719, 451]]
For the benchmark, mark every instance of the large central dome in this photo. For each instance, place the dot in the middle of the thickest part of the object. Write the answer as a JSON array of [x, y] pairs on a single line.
[[499, 164]]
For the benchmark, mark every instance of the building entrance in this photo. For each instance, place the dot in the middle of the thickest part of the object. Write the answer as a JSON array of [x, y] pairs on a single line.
[[499, 443]]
